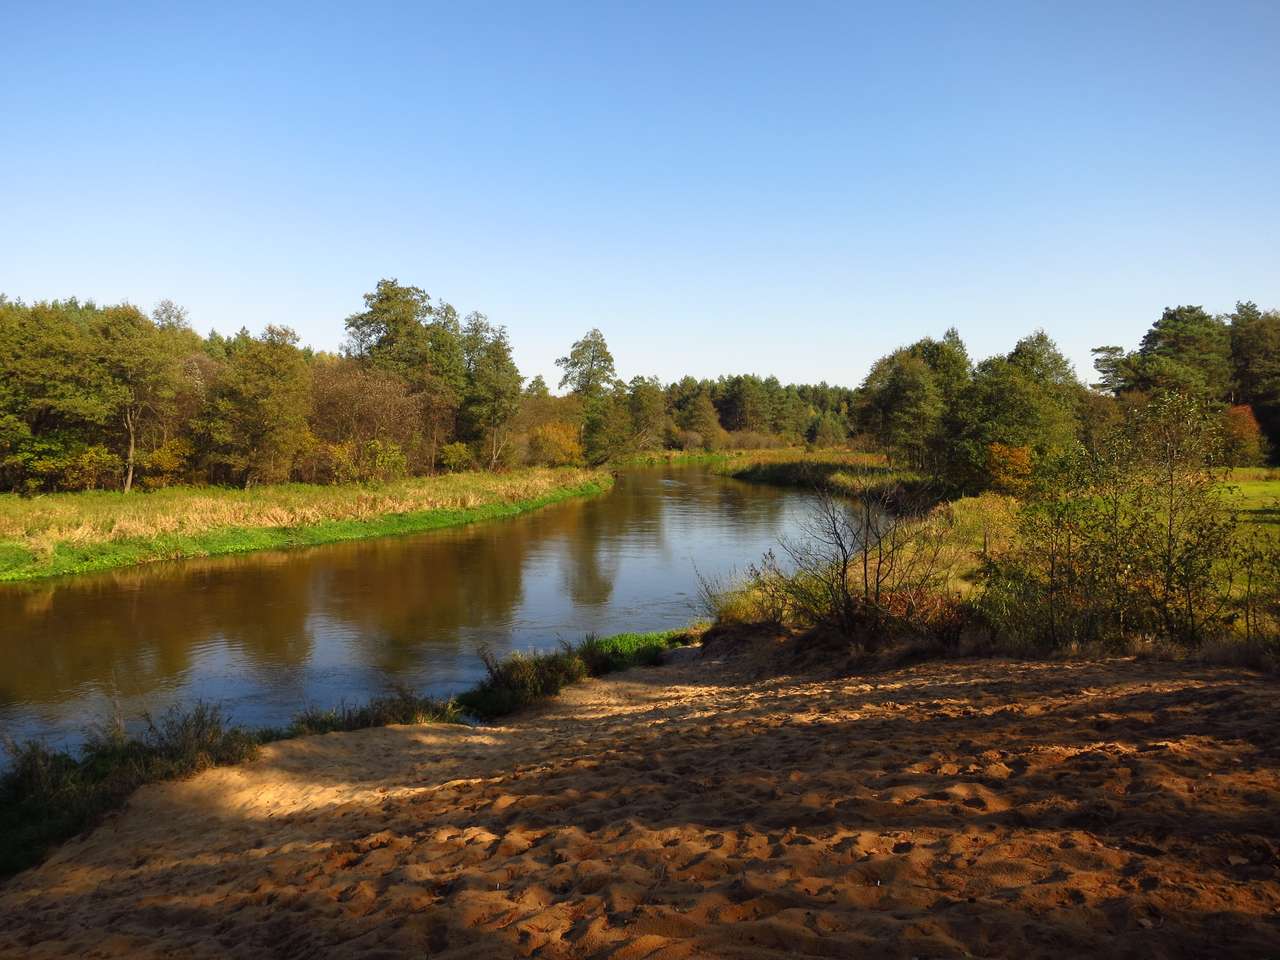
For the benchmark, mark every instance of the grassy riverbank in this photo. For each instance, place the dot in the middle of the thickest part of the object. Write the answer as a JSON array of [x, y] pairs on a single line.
[[850, 473], [47, 796], [67, 533]]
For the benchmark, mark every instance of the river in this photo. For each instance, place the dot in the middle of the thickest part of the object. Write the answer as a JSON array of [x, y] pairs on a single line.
[[265, 634]]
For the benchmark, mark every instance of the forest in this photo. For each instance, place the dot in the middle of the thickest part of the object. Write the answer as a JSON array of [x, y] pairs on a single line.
[[110, 397]]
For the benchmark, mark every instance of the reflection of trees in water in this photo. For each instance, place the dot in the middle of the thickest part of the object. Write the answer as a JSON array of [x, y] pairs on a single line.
[[135, 630], [141, 628], [632, 516], [401, 595]]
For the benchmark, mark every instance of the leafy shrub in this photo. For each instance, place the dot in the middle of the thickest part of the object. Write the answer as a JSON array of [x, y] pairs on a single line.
[[94, 468], [1131, 538], [167, 464], [382, 461], [1009, 467], [456, 457], [1243, 442], [555, 444], [689, 440], [864, 569]]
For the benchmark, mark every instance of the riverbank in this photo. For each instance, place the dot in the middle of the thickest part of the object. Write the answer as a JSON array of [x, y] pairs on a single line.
[[988, 808], [68, 533], [47, 796]]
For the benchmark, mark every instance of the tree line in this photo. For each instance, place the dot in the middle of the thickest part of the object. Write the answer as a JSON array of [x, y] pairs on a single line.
[[988, 424], [101, 397], [110, 397]]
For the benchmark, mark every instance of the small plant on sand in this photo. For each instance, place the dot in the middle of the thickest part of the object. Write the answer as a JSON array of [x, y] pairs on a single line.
[[525, 678], [400, 706]]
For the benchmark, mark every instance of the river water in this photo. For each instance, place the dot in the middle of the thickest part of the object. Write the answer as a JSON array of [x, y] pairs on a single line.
[[265, 634]]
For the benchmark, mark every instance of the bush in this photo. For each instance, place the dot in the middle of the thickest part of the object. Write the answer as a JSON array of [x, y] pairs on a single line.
[[555, 444], [1009, 467], [866, 570], [1132, 538], [525, 678], [382, 461], [1243, 442], [689, 440], [94, 468], [456, 457], [167, 464], [754, 440]]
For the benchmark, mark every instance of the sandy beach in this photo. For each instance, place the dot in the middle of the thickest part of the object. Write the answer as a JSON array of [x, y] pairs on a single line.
[[960, 809]]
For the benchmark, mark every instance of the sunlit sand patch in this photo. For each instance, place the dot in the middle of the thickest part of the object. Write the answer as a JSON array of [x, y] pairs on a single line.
[[984, 808]]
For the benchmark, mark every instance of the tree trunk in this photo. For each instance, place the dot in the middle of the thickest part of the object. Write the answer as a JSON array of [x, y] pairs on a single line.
[[128, 474]]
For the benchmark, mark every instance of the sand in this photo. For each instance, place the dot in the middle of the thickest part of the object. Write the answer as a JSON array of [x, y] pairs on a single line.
[[980, 808]]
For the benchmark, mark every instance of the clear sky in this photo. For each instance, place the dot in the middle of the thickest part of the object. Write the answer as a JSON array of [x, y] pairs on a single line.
[[788, 188]]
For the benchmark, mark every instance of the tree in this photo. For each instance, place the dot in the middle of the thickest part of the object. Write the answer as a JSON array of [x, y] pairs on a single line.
[[143, 371], [392, 329], [256, 422], [1186, 351], [588, 368], [608, 430], [700, 418], [493, 388], [1026, 399], [363, 412], [168, 315], [829, 430], [901, 405], [1255, 361], [648, 412]]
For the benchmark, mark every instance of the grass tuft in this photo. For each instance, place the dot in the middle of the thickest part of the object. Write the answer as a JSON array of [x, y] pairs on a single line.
[[525, 678]]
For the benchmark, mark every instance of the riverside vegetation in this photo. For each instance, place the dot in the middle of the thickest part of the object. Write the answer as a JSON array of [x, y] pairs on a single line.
[[1135, 540]]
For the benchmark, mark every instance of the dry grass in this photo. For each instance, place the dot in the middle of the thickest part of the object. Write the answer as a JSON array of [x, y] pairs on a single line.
[[39, 524]]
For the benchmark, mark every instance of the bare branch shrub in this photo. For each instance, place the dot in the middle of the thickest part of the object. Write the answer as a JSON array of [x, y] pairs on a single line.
[[862, 568]]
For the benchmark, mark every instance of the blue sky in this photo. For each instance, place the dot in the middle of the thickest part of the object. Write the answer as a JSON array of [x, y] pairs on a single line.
[[789, 188]]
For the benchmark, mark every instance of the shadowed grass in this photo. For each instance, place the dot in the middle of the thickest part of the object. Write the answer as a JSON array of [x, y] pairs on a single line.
[[525, 678], [70, 533]]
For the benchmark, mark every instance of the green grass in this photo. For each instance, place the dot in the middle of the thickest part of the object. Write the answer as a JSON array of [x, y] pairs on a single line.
[[1255, 492], [840, 471], [54, 545], [47, 796], [523, 679]]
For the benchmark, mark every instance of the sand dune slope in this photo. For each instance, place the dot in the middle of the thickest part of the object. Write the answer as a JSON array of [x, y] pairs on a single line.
[[984, 809]]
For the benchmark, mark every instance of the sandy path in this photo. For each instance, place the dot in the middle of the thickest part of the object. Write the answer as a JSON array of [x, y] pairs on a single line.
[[947, 810]]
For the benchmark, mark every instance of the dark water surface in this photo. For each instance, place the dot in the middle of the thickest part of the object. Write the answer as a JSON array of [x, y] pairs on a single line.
[[268, 633]]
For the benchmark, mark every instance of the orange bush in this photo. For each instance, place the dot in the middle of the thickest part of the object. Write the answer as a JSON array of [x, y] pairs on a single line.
[[1008, 466]]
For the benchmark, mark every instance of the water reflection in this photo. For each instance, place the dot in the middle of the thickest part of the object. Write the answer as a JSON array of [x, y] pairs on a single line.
[[264, 633]]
